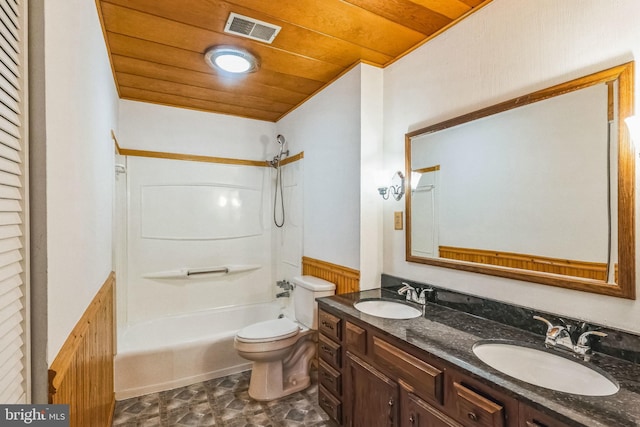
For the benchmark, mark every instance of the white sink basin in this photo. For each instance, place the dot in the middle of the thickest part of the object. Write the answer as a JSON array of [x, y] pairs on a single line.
[[545, 369], [387, 309]]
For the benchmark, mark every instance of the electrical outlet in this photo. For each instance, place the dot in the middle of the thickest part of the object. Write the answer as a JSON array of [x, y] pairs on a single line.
[[397, 220]]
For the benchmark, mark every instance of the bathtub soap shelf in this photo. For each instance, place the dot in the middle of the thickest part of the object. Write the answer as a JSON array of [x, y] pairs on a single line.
[[193, 273]]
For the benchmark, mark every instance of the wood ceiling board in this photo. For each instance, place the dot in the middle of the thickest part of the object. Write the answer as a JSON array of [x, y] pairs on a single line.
[[134, 94], [452, 9], [197, 41], [475, 3], [236, 98], [156, 47], [163, 54], [294, 90], [141, 25], [405, 12], [213, 15], [341, 20]]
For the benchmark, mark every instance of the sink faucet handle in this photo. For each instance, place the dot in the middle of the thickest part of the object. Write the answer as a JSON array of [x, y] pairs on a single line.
[[422, 297], [582, 340], [542, 319], [407, 290]]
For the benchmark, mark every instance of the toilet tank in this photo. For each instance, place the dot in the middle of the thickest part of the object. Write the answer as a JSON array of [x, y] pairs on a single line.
[[307, 289]]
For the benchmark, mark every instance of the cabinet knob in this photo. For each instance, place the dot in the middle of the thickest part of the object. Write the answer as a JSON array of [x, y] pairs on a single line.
[[391, 402], [411, 419], [472, 416]]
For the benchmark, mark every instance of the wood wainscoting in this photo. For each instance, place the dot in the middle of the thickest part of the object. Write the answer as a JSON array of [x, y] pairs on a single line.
[[82, 373], [346, 279], [587, 270]]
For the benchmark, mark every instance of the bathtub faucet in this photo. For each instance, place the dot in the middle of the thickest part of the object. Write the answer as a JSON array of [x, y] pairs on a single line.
[[285, 285], [283, 294]]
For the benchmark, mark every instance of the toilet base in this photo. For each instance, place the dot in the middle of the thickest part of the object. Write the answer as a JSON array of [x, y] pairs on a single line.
[[273, 379], [267, 383]]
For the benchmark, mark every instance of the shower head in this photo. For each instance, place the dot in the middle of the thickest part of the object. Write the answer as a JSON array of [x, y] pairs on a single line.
[[283, 143]]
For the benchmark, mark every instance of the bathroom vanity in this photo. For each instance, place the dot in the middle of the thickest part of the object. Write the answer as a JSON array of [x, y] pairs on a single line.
[[376, 371]]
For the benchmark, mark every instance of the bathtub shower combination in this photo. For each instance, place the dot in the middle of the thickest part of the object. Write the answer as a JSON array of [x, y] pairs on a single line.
[[195, 264]]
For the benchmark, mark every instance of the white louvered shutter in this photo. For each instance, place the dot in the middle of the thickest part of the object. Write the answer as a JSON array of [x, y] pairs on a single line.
[[13, 330]]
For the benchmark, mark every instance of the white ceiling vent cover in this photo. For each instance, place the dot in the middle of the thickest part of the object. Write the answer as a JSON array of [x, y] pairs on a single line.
[[251, 28]]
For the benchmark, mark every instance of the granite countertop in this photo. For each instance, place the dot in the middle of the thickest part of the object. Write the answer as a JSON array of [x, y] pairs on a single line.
[[450, 335]]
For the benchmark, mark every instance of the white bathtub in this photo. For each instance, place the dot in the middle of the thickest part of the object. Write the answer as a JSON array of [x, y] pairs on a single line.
[[175, 351]]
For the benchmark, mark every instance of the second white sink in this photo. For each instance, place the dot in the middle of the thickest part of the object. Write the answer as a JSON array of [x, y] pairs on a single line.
[[387, 309], [545, 369]]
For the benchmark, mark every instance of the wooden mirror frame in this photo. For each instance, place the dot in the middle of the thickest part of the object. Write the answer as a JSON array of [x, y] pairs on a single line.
[[625, 286]]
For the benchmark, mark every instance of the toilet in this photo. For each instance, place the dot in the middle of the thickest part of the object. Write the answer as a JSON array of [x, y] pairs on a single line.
[[282, 349]]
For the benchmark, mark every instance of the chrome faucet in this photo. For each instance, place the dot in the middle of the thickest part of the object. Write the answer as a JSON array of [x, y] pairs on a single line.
[[412, 294], [560, 336], [409, 291]]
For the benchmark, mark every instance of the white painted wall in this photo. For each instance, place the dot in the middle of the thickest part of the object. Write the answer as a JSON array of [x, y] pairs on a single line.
[[507, 49], [328, 129], [371, 148], [81, 109]]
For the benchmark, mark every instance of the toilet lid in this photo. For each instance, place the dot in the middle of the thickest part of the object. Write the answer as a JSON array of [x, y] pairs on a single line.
[[270, 330]]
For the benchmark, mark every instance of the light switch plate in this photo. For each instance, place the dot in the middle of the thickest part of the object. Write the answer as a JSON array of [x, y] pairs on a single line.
[[397, 220]]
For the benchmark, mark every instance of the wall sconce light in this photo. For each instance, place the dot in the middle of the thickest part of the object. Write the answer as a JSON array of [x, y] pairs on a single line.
[[633, 124], [397, 191]]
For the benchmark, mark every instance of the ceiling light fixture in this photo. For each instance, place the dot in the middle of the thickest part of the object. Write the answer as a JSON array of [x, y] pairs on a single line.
[[231, 59]]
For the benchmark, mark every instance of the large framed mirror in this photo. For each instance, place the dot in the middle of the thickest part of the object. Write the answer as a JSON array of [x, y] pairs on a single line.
[[540, 188]]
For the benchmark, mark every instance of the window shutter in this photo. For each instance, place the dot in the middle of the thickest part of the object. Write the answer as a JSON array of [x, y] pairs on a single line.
[[13, 350]]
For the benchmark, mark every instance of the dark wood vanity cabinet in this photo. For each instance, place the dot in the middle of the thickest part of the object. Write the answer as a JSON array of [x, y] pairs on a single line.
[[368, 379], [418, 413], [371, 398], [330, 364], [530, 417]]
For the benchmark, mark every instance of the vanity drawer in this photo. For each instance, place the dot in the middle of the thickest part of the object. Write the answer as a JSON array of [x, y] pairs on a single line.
[[355, 338], [329, 325], [329, 351], [530, 417], [427, 380], [330, 378], [331, 405], [474, 409]]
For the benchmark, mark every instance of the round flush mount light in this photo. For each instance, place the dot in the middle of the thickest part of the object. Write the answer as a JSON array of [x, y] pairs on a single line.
[[231, 59]]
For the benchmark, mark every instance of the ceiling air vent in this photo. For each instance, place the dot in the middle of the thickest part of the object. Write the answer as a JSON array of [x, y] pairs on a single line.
[[251, 28]]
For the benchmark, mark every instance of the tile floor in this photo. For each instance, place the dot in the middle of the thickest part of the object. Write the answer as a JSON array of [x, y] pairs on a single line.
[[222, 402]]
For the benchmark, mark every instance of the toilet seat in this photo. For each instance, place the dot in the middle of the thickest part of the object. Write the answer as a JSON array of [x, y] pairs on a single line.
[[269, 330]]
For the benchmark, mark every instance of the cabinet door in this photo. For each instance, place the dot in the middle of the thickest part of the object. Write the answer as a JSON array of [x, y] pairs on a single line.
[[371, 397], [415, 412]]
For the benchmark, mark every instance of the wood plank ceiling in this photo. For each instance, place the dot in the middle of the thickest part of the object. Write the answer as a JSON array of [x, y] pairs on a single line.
[[157, 47]]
